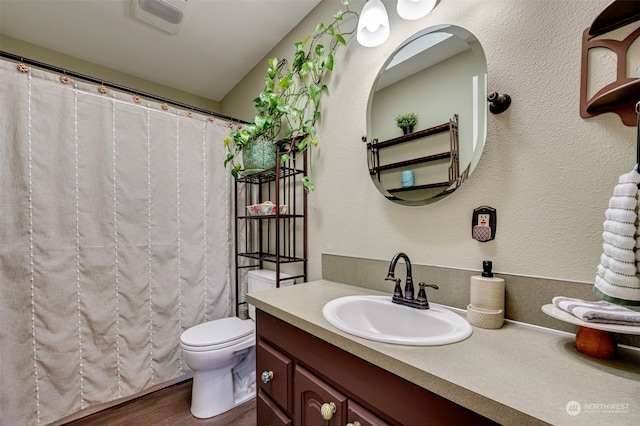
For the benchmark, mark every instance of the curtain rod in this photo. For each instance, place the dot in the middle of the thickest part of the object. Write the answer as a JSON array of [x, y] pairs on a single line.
[[54, 68]]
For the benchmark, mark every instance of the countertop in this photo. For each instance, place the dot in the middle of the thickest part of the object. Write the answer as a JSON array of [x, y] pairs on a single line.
[[518, 374]]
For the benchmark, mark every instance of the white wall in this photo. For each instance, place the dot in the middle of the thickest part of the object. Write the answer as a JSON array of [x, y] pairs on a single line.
[[547, 171]]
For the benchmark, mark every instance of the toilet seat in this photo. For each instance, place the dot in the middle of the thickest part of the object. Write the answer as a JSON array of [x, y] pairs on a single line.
[[217, 334]]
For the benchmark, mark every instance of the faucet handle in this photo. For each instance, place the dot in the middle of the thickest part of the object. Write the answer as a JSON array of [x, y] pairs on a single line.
[[422, 294], [397, 291]]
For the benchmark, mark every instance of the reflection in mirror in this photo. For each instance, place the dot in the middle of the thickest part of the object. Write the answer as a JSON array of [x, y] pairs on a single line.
[[440, 74]]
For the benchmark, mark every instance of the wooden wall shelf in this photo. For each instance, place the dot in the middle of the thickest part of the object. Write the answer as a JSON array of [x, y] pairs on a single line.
[[453, 155], [621, 96]]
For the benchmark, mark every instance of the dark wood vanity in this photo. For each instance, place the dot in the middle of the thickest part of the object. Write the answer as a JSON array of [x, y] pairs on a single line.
[[309, 372]]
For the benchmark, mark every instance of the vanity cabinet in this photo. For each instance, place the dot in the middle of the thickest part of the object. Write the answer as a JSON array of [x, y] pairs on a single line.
[[312, 393], [309, 373]]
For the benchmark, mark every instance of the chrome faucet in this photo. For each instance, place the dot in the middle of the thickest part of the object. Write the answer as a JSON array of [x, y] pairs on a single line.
[[420, 302]]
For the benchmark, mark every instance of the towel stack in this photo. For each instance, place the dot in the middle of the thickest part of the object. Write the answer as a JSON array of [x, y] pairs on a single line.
[[618, 280], [598, 312]]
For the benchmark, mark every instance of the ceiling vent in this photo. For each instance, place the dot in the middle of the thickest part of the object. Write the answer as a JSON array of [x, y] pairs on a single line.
[[167, 15]]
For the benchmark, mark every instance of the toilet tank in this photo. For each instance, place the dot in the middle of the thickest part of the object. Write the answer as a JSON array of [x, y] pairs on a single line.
[[262, 279]]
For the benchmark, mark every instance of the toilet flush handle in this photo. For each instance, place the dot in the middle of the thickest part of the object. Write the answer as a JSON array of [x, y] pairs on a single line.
[[267, 376]]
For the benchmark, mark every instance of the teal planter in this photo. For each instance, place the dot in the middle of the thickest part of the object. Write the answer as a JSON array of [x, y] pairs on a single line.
[[258, 155]]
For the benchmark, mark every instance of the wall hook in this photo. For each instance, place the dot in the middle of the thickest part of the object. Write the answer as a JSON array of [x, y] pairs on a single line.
[[498, 103]]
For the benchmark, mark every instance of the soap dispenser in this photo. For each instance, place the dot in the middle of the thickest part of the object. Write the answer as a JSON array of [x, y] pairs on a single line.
[[486, 308]]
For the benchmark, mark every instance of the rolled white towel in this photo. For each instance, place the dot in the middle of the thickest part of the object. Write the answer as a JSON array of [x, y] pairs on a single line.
[[632, 177], [617, 277], [619, 280], [618, 228], [626, 189], [623, 255], [619, 240], [598, 312], [624, 268], [623, 203], [622, 295], [619, 215]]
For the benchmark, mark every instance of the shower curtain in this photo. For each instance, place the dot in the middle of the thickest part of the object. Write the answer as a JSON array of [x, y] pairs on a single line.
[[114, 238]]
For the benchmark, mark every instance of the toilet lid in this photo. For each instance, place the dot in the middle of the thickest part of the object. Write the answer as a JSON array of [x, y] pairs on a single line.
[[217, 332]]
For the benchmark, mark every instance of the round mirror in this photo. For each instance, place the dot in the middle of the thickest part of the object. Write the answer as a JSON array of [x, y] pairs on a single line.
[[438, 76]]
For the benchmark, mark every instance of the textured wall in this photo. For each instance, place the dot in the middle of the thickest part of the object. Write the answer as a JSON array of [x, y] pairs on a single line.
[[548, 172]]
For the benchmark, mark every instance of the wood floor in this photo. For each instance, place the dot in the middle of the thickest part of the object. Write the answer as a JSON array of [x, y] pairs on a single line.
[[166, 407]]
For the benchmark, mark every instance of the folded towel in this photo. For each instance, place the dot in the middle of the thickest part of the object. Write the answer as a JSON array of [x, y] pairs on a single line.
[[618, 279], [598, 312]]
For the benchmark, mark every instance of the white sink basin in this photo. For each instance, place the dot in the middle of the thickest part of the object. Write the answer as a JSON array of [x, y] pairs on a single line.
[[377, 318]]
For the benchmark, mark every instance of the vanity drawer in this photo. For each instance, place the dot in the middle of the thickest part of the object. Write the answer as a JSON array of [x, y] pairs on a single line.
[[357, 413], [315, 399], [269, 359], [268, 413]]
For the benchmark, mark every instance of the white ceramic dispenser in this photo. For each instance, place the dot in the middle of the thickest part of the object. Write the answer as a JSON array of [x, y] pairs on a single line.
[[486, 309]]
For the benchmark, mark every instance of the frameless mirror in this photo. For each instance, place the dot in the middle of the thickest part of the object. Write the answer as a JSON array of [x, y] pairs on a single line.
[[440, 75]]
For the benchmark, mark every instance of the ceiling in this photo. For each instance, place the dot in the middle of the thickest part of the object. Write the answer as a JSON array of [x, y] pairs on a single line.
[[219, 43]]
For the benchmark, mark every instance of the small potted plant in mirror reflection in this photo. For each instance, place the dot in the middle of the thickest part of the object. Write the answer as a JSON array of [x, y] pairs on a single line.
[[407, 121]]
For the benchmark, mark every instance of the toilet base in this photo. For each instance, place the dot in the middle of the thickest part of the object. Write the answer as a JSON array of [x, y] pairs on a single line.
[[210, 394]]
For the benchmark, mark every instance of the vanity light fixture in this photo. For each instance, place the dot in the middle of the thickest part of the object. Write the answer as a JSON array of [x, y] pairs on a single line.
[[373, 26], [167, 15], [415, 9]]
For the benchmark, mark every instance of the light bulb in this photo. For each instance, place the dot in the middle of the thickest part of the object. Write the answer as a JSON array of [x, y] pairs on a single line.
[[373, 25]]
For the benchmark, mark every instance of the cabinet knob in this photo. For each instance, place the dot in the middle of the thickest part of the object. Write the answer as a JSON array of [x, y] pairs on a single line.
[[267, 376], [356, 423], [327, 410]]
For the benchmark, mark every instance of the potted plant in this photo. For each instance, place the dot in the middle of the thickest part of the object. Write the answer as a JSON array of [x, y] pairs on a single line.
[[407, 121], [289, 106]]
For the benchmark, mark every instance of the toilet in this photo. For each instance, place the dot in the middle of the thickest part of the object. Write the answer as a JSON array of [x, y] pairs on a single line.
[[212, 350], [221, 354]]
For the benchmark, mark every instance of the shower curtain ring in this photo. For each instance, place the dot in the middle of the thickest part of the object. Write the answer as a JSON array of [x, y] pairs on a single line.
[[63, 78], [22, 67]]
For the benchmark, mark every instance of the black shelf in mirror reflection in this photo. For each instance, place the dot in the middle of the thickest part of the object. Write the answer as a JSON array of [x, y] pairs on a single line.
[[412, 162], [418, 187], [269, 257]]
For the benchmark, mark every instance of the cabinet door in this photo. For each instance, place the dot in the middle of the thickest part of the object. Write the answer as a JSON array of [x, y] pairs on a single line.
[[269, 359], [310, 394], [268, 413], [364, 417]]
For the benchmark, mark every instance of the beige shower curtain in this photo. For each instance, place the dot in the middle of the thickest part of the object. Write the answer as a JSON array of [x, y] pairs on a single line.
[[114, 238]]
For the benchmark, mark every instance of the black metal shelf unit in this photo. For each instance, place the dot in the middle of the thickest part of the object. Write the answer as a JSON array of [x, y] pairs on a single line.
[[271, 241]]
